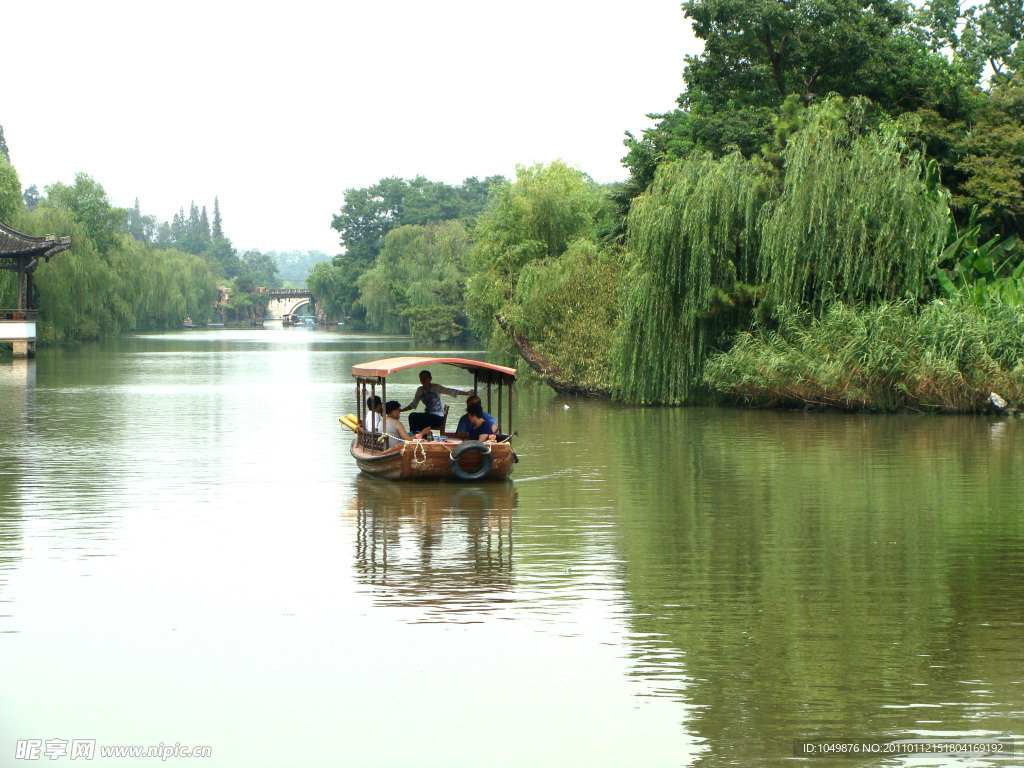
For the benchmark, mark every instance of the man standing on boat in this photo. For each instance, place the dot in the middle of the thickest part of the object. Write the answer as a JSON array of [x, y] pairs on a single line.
[[433, 408]]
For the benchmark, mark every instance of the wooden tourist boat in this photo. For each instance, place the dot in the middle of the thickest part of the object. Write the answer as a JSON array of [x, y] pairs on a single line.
[[445, 457]]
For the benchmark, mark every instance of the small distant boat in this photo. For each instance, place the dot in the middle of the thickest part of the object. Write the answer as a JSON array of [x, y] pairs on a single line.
[[187, 323], [447, 458], [299, 320]]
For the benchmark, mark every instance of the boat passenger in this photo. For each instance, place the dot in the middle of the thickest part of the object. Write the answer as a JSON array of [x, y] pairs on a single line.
[[433, 408], [462, 430], [481, 428], [394, 427], [373, 421]]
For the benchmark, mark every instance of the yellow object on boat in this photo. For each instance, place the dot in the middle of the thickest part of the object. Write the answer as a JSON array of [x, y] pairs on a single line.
[[350, 422]]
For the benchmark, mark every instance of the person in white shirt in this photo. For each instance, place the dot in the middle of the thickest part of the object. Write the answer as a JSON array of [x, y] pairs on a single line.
[[374, 422]]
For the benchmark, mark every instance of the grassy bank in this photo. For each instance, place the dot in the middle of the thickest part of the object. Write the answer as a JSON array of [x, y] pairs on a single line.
[[937, 357]]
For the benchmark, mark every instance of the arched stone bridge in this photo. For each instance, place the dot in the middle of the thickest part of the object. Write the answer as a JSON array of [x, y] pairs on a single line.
[[287, 300]]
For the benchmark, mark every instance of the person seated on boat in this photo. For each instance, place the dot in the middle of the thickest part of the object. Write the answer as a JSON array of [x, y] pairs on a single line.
[[394, 427], [373, 421], [433, 408], [462, 430], [482, 426]]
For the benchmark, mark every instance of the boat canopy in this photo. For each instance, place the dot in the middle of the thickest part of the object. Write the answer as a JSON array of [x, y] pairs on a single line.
[[379, 369]]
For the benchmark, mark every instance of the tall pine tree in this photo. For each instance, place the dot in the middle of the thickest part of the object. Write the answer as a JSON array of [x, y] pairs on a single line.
[[218, 229]]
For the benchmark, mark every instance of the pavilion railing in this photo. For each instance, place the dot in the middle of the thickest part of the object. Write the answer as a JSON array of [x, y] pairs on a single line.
[[18, 314]]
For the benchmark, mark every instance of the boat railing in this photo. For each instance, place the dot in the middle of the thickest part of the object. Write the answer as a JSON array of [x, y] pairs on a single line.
[[374, 442]]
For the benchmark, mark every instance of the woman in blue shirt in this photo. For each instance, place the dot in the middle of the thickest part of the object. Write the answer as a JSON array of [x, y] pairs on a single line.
[[482, 426]]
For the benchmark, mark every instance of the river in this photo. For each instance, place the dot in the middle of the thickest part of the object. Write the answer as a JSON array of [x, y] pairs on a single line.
[[189, 558]]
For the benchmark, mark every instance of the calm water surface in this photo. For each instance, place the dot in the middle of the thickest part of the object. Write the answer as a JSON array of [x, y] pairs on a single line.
[[187, 555]]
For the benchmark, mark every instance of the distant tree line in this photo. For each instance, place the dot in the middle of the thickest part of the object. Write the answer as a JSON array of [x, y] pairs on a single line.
[[108, 282], [404, 246], [294, 266], [125, 271]]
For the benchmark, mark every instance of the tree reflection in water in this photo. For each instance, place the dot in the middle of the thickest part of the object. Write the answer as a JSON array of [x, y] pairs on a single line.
[[442, 549]]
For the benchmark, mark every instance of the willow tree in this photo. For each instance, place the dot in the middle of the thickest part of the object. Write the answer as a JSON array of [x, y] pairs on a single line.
[[858, 218], [539, 216], [91, 293], [694, 237]]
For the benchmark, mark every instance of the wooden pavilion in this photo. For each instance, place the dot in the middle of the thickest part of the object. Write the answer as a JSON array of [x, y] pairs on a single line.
[[20, 253]]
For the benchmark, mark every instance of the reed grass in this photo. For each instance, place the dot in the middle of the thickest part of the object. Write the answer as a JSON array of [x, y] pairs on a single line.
[[942, 356]]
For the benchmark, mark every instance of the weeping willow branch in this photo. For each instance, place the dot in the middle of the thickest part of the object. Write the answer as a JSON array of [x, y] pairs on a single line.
[[858, 218], [694, 235]]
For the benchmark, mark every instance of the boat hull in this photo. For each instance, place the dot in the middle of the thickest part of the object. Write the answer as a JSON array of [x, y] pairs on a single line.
[[424, 460]]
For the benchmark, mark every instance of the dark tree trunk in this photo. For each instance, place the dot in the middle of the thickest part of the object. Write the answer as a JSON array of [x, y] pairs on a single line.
[[552, 376]]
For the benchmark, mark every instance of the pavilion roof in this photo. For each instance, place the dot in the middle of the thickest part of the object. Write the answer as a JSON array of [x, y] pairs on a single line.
[[17, 244]]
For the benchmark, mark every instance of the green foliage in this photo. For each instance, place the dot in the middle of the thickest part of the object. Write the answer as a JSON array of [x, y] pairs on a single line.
[[416, 285], [371, 212], [693, 234], [335, 288], [86, 293], [568, 308], [759, 53], [140, 226], [982, 273], [997, 27], [217, 230], [261, 269], [991, 155], [367, 217], [854, 217], [538, 216], [246, 304], [981, 156], [31, 196], [294, 266], [223, 260], [858, 217], [192, 234], [87, 203], [10, 191], [946, 356]]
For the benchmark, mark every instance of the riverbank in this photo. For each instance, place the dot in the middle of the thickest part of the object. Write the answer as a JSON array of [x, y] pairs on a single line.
[[936, 358]]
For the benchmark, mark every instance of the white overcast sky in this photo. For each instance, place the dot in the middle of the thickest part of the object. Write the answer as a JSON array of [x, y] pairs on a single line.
[[277, 108]]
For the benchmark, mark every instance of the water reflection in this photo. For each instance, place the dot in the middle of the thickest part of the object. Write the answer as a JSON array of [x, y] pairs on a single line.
[[443, 550], [17, 379], [655, 578], [830, 576]]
